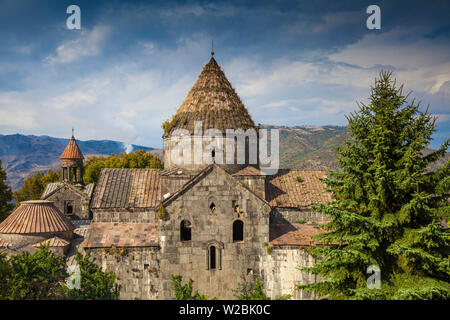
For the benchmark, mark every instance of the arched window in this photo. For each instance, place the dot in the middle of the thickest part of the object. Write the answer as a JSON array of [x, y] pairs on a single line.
[[238, 230], [212, 257], [212, 206], [185, 230], [213, 155]]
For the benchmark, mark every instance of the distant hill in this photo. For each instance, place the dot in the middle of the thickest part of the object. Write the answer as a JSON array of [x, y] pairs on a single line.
[[301, 147], [309, 147], [313, 147], [22, 155]]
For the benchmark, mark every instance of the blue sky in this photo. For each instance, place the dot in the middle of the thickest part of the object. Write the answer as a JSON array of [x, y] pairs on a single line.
[[133, 62]]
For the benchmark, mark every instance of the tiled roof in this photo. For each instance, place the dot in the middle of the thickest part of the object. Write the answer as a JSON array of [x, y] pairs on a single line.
[[36, 216], [213, 101], [50, 188], [72, 151], [127, 188], [291, 188], [54, 186], [293, 234], [53, 242], [174, 171], [248, 171], [109, 234]]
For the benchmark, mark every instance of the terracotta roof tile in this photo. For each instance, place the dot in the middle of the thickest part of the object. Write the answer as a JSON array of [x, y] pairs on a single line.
[[72, 151], [127, 188], [291, 188], [293, 234], [113, 234], [213, 101], [36, 216], [53, 242], [248, 171]]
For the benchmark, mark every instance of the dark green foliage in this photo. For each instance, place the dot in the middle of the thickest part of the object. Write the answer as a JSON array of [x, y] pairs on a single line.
[[42, 275], [5, 195], [249, 290], [95, 284], [34, 186], [32, 276], [184, 291], [389, 208], [136, 159]]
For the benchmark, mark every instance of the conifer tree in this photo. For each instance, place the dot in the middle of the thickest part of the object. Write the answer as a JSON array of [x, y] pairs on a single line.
[[390, 209], [5, 195]]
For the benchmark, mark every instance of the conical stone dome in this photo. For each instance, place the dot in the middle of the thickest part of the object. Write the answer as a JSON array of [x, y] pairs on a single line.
[[36, 216], [213, 101]]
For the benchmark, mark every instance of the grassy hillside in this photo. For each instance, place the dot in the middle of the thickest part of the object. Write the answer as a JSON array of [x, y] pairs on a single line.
[[308, 147]]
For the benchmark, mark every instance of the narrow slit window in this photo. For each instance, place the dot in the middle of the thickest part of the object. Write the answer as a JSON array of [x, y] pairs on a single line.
[[212, 206], [238, 230], [185, 230], [212, 257]]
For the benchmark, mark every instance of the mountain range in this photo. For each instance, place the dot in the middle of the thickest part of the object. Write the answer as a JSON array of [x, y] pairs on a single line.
[[301, 147], [22, 155]]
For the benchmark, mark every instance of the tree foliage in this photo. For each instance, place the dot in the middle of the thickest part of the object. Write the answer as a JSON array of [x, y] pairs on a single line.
[[95, 284], [5, 195], [184, 291], [254, 290], [42, 275], [137, 159], [34, 186], [32, 276], [389, 207]]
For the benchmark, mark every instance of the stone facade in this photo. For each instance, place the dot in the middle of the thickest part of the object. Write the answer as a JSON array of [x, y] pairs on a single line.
[[213, 228], [282, 273], [216, 224], [137, 270], [71, 200]]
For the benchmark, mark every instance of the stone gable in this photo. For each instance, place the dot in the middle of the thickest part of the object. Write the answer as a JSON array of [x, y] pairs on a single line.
[[212, 203]]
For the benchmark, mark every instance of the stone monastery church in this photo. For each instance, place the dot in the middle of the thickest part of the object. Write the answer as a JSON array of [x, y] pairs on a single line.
[[217, 224]]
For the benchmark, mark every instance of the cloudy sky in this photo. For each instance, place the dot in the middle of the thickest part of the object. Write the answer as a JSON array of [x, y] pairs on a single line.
[[132, 63]]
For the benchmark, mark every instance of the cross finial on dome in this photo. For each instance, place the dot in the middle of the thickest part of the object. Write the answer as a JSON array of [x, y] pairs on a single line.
[[72, 132], [212, 46]]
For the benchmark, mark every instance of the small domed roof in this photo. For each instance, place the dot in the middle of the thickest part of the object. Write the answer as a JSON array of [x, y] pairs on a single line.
[[36, 216], [72, 151], [213, 101]]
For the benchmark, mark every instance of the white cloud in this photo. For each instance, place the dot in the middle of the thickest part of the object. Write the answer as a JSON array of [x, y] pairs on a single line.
[[17, 112], [86, 45]]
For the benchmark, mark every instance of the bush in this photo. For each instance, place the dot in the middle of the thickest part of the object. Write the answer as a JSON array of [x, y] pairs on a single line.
[[95, 284], [184, 292]]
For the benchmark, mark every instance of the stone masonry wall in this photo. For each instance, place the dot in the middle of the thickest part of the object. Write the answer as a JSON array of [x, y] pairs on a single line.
[[125, 215], [190, 258], [282, 274], [137, 270], [285, 215], [80, 203]]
